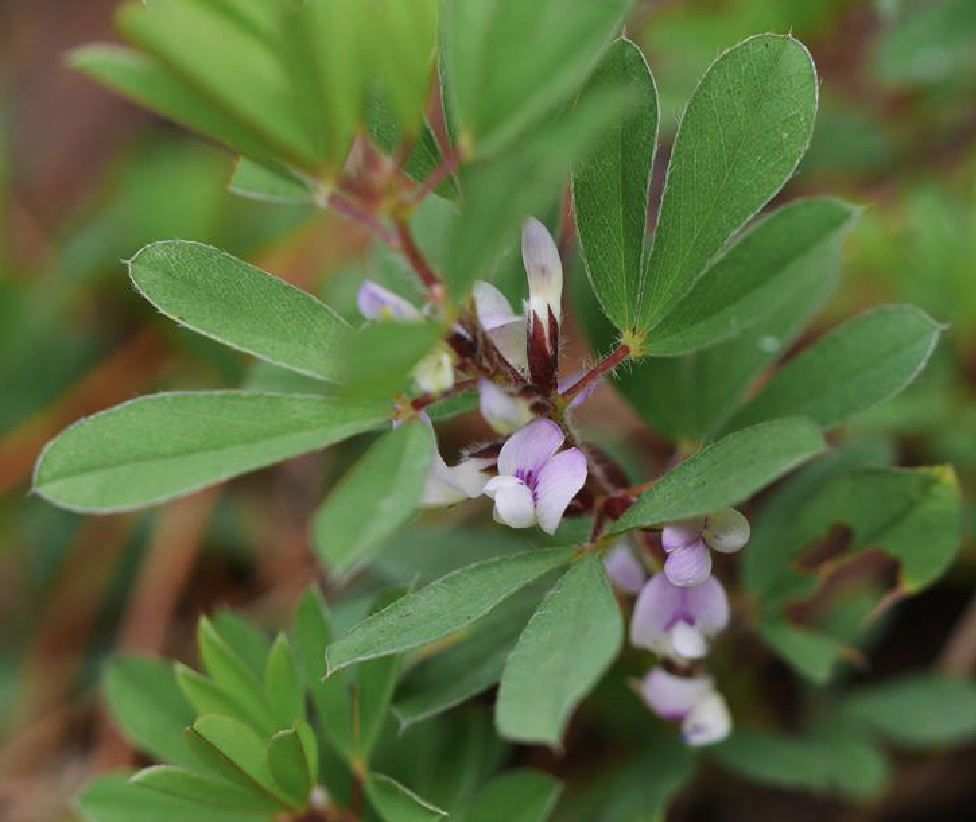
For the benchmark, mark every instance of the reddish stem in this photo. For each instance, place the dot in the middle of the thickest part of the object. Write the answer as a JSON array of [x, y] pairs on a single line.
[[351, 211], [596, 372], [417, 260]]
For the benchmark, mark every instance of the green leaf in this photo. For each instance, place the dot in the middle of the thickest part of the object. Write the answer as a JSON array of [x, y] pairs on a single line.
[[610, 187], [206, 790], [283, 689], [331, 698], [146, 701], [232, 750], [424, 157], [375, 499], [527, 179], [146, 81], [912, 515], [466, 668], [814, 763], [161, 446], [396, 803], [742, 135], [859, 365], [916, 711], [443, 607], [725, 473], [509, 62], [781, 255], [515, 796], [270, 183], [570, 641], [239, 305], [114, 798], [289, 767], [206, 696], [240, 73], [231, 673], [928, 43], [246, 640], [811, 653], [376, 362]]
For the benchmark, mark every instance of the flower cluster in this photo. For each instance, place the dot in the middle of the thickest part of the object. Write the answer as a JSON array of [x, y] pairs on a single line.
[[677, 612], [531, 481]]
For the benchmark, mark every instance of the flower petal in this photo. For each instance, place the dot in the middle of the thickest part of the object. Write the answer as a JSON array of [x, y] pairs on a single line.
[[680, 534], [491, 306], [448, 485], [513, 502], [544, 269], [687, 641], [708, 721], [559, 481], [501, 410], [510, 339], [671, 696], [726, 531], [656, 608], [377, 303], [689, 565], [529, 449], [708, 605], [624, 569]]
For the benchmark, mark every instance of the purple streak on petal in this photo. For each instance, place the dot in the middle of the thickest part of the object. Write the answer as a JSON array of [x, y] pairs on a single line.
[[526, 451], [708, 605], [585, 394], [557, 483], [624, 570], [656, 610], [672, 697], [491, 306], [680, 534], [689, 565], [375, 302]]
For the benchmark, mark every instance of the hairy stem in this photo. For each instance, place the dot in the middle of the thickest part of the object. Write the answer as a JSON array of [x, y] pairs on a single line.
[[596, 372]]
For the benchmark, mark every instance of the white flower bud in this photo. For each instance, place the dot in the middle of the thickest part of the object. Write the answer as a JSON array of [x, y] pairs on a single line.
[[726, 531], [435, 372], [544, 270]]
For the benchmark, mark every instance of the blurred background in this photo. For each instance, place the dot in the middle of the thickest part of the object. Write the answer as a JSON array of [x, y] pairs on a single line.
[[86, 179]]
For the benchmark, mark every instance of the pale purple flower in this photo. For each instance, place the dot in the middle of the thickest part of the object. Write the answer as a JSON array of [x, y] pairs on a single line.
[[687, 542], [501, 410], [534, 483], [703, 713], [677, 621], [544, 269], [377, 303], [504, 327], [624, 569], [450, 484]]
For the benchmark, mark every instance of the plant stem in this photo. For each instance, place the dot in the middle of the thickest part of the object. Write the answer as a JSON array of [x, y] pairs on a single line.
[[596, 372], [417, 260], [351, 211]]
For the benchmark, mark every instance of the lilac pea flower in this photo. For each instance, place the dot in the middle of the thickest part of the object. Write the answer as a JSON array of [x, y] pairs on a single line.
[[503, 412], [708, 722], [377, 303], [447, 484], [504, 328], [687, 544], [534, 483], [703, 713], [677, 621], [624, 569]]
